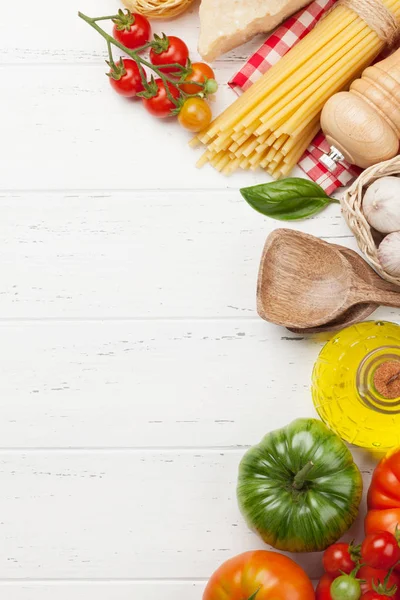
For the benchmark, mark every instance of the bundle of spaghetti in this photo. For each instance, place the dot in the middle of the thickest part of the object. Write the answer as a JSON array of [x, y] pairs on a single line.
[[272, 123]]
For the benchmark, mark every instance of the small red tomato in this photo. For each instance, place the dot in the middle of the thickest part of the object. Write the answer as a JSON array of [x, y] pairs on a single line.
[[199, 73], [167, 51], [131, 29], [125, 79], [195, 114], [373, 577], [323, 591], [373, 595], [338, 559], [380, 550], [160, 105]]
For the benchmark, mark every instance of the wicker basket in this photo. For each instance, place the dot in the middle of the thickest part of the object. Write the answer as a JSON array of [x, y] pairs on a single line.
[[352, 210], [158, 9]]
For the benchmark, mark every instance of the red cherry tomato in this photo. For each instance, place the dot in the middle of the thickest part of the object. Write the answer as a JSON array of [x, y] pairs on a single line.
[[337, 559], [199, 73], [380, 550], [160, 105], [373, 577], [126, 80], [373, 595], [323, 591], [132, 30], [170, 50]]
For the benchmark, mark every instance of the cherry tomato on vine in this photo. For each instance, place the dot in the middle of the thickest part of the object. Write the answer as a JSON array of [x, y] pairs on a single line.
[[131, 29], [200, 72], [169, 50], [195, 114], [160, 105], [339, 558], [125, 78], [380, 550], [323, 590], [372, 578], [345, 587]]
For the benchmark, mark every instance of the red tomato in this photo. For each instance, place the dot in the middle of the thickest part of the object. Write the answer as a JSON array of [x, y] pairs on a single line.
[[373, 577], [200, 73], [372, 595], [160, 105], [323, 591], [195, 114], [132, 30], [169, 50], [261, 574], [126, 80], [384, 495], [380, 550], [337, 559]]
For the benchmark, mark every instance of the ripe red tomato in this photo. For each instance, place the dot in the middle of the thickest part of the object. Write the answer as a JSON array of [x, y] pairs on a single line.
[[323, 591], [200, 72], [132, 30], [337, 559], [195, 114], [373, 595], [380, 550], [169, 50], [160, 105], [262, 575], [373, 577], [384, 495], [126, 80]]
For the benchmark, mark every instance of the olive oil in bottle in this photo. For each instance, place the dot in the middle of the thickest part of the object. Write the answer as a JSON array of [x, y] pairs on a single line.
[[356, 384]]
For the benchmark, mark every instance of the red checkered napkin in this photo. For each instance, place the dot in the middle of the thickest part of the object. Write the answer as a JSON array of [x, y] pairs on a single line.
[[274, 47]]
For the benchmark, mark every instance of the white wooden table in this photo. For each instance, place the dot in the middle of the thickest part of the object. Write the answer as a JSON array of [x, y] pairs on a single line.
[[134, 368]]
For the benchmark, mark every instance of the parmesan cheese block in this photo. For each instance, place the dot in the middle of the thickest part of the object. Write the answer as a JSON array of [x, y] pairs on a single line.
[[226, 24]]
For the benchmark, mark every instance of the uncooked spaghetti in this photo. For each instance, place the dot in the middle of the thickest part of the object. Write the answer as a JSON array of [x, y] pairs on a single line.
[[273, 122]]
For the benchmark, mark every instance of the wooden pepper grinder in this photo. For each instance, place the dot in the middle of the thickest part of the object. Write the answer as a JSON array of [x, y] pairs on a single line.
[[362, 126]]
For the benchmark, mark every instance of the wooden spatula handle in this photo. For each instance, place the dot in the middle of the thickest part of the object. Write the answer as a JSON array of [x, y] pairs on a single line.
[[365, 293]]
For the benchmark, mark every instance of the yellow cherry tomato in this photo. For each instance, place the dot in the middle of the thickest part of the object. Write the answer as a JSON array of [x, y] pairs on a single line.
[[195, 114]]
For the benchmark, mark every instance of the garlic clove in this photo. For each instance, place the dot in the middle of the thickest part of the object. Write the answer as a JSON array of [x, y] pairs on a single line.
[[389, 254], [381, 204]]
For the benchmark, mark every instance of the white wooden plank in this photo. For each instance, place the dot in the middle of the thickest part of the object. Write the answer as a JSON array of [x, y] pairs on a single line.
[[123, 514], [102, 591], [65, 128], [135, 384], [144, 384], [140, 254], [42, 35]]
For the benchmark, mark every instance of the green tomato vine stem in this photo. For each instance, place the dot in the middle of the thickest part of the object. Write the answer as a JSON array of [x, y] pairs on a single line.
[[140, 61]]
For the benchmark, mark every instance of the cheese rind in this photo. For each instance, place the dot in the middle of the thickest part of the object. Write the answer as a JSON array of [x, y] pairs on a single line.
[[226, 24]]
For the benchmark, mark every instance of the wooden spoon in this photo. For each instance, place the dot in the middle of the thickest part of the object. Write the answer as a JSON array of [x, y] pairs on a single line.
[[358, 312], [305, 282]]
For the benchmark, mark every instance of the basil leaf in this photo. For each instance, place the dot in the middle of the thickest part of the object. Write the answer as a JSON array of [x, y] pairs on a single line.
[[287, 200]]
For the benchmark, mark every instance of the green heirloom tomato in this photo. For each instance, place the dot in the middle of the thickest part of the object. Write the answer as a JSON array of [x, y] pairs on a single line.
[[299, 488]]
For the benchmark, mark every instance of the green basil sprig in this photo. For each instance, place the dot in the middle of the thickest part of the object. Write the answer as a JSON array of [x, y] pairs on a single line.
[[287, 200]]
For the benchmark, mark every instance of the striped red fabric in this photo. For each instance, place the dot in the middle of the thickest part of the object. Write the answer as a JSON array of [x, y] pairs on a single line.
[[274, 47]]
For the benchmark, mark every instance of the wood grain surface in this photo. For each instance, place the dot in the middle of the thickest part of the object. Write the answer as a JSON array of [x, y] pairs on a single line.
[[134, 368]]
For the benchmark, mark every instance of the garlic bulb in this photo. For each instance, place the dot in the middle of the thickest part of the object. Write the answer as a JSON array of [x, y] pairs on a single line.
[[381, 204], [389, 254]]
